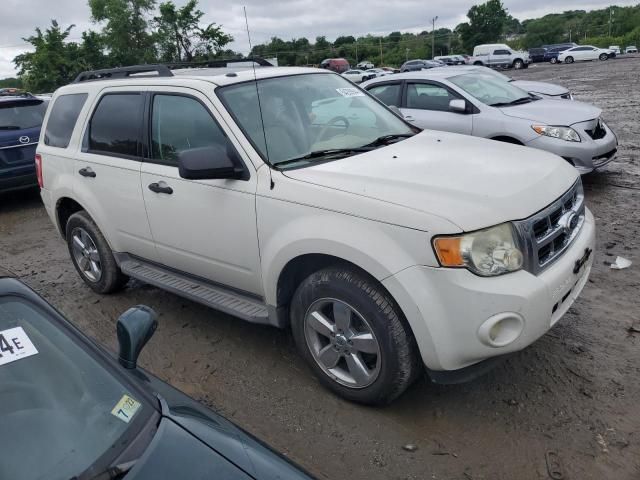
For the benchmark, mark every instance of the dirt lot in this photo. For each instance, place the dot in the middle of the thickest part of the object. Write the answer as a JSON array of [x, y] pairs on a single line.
[[574, 395]]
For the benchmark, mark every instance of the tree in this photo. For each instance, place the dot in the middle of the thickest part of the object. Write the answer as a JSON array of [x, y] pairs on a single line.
[[125, 33], [486, 24], [180, 36], [53, 62]]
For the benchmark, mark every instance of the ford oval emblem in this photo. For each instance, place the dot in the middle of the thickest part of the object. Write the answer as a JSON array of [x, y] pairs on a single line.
[[24, 139]]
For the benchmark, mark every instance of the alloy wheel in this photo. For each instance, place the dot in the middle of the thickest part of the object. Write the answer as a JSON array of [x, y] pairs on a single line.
[[85, 254], [342, 343]]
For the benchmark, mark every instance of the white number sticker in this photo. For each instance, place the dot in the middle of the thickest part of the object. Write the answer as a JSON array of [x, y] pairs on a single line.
[[350, 92], [15, 345], [126, 408]]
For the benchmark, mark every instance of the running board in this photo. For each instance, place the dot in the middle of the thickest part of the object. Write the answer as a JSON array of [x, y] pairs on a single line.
[[228, 301]]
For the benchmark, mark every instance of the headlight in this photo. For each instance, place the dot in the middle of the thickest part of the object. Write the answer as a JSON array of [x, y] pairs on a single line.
[[563, 133], [488, 252]]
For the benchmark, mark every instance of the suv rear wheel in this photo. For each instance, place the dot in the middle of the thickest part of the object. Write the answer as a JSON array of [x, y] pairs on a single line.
[[92, 256], [354, 336]]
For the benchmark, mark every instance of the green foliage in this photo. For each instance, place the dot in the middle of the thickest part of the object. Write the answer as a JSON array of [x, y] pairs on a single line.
[[181, 38], [11, 82], [487, 22], [584, 27], [53, 63], [126, 31]]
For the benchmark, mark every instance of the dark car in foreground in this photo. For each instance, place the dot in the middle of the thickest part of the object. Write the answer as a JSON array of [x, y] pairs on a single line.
[[21, 116], [70, 411]]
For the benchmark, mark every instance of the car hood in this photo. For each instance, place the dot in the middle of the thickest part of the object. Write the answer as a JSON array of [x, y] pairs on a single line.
[[551, 112], [175, 453], [471, 182], [545, 88], [225, 440]]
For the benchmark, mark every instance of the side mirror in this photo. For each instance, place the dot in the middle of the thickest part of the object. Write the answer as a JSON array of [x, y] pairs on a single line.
[[395, 110], [134, 329], [458, 105], [208, 163]]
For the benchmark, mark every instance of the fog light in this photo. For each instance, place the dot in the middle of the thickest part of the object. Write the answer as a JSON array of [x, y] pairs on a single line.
[[501, 329]]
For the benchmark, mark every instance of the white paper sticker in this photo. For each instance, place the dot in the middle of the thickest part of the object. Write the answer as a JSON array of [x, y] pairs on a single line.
[[126, 408], [350, 92], [15, 345]]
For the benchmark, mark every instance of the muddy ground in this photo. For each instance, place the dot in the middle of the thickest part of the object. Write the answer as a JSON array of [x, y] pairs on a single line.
[[574, 395]]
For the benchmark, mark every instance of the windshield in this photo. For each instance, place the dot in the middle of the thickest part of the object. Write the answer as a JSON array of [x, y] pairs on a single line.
[[22, 115], [308, 113], [489, 89], [60, 409]]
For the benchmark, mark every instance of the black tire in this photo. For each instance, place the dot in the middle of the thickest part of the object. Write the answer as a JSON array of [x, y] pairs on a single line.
[[400, 362], [112, 279], [553, 60], [568, 60], [518, 64], [603, 57]]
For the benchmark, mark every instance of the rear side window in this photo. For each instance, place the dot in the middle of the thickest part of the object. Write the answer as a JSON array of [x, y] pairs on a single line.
[[501, 52], [21, 115], [179, 124], [388, 94], [116, 125], [62, 119]]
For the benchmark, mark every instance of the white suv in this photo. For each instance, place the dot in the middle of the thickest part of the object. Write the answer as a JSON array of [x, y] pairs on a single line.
[[500, 55], [295, 199]]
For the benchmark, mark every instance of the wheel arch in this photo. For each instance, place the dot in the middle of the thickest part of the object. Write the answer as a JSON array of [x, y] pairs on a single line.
[[507, 139], [65, 207]]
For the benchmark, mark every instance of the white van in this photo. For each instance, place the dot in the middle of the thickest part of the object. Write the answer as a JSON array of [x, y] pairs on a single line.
[[500, 55]]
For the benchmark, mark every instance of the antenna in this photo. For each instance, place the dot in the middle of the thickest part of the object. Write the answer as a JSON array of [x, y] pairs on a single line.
[[255, 79]]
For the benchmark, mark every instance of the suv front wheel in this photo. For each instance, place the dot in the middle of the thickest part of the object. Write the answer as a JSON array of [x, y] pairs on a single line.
[[353, 335], [518, 64], [92, 256]]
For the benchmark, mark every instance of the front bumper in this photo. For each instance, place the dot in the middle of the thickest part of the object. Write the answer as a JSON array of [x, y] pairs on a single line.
[[448, 308], [586, 155]]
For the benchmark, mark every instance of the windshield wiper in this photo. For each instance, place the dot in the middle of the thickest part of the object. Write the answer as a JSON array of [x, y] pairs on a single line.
[[323, 153], [385, 139], [517, 101], [112, 473]]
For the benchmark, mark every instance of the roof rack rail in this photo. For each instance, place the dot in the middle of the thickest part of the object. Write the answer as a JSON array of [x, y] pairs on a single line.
[[219, 63], [124, 72]]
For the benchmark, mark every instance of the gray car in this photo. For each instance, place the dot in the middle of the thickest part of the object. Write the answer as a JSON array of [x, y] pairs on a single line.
[[474, 103], [541, 89]]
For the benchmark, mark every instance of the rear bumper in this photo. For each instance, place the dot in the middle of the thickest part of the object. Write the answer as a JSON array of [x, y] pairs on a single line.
[[18, 182]]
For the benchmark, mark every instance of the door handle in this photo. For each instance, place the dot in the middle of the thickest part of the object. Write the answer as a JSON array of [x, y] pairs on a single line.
[[160, 188], [87, 172]]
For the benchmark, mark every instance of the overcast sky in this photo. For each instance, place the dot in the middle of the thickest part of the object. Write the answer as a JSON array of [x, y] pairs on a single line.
[[267, 18]]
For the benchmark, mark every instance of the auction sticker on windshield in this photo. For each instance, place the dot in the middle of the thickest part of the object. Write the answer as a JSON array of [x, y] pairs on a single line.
[[350, 92], [15, 345], [126, 408]]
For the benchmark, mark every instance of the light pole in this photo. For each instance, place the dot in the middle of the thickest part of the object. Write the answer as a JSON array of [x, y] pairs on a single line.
[[433, 36], [406, 54]]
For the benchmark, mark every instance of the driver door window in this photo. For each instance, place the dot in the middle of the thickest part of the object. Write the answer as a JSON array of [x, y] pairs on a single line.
[[179, 124], [198, 226], [427, 106]]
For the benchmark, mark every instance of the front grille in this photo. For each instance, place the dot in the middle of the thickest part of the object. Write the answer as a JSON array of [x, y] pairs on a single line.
[[598, 131], [603, 159], [548, 233]]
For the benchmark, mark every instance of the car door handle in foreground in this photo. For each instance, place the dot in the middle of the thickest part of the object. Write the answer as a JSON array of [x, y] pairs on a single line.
[[160, 187], [87, 172]]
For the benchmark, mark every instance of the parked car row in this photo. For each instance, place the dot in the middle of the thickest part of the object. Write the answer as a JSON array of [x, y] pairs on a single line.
[[572, 52]]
